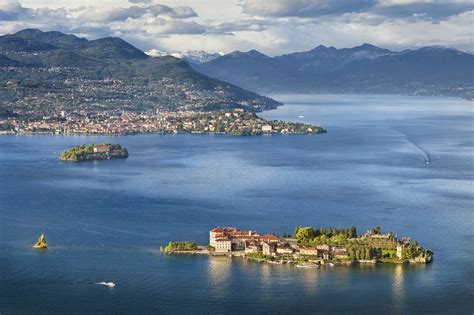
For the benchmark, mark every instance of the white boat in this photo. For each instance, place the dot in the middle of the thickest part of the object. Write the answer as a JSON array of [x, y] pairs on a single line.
[[301, 116], [307, 266], [107, 284], [331, 264]]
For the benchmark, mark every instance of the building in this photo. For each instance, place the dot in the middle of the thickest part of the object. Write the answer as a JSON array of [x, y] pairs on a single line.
[[399, 250], [101, 148], [310, 251], [252, 247], [236, 237], [266, 128], [323, 247], [284, 248], [340, 252], [268, 248], [223, 245]]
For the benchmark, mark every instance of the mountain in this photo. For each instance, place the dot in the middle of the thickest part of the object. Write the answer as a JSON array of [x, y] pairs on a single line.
[[252, 69], [196, 56], [362, 69], [7, 62], [327, 59], [192, 57], [54, 70]]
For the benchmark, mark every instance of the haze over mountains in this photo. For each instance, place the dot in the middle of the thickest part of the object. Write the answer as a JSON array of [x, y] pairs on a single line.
[[362, 69], [41, 70]]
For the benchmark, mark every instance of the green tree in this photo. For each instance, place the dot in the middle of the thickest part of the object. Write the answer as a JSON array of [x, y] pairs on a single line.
[[304, 234], [376, 230], [352, 232]]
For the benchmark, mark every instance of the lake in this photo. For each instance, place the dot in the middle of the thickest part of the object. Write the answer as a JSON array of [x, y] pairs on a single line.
[[105, 220]]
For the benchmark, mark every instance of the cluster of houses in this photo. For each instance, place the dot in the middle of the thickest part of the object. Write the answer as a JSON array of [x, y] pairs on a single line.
[[231, 239]]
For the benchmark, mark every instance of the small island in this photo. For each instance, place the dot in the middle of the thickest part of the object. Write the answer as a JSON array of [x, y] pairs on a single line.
[[309, 247], [105, 151], [41, 243]]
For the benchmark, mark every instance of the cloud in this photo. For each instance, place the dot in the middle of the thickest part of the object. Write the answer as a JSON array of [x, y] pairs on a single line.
[[141, 1], [304, 8], [434, 10], [421, 9], [10, 10], [111, 14], [271, 26], [99, 21]]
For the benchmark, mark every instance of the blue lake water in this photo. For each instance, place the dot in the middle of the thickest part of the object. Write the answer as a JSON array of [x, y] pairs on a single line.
[[105, 220]]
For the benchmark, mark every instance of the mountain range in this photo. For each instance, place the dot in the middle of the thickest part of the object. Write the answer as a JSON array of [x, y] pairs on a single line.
[[41, 70], [362, 69]]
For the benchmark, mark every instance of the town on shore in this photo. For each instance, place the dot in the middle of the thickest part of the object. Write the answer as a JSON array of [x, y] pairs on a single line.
[[309, 247], [237, 122]]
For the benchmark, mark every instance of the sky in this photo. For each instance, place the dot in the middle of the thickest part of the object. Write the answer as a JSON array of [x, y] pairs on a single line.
[[273, 27]]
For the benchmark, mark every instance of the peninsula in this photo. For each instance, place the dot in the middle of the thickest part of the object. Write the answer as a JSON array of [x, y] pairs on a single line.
[[309, 247], [105, 151], [236, 122]]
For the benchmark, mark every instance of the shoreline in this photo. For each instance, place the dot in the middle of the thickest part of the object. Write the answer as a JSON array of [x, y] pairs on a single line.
[[329, 263]]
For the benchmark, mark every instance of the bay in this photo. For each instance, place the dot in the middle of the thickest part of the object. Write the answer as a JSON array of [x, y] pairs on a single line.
[[105, 220]]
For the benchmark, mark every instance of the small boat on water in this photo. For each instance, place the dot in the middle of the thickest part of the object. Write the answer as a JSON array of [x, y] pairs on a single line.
[[301, 116], [307, 266], [331, 264], [107, 284]]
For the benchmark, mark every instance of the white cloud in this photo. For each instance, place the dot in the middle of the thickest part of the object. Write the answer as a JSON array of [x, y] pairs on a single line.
[[304, 8], [271, 26]]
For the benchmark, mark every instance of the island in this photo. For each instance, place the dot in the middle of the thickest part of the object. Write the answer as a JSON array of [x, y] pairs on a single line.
[[41, 243], [309, 247], [105, 151]]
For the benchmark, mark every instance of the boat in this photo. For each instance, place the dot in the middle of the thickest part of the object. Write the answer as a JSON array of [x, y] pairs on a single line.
[[331, 264], [307, 266], [301, 116], [107, 284]]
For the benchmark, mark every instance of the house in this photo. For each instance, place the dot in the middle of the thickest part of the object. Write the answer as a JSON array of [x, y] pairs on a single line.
[[101, 148], [266, 128], [340, 252], [323, 247], [268, 248], [284, 248], [269, 238], [252, 246], [308, 251]]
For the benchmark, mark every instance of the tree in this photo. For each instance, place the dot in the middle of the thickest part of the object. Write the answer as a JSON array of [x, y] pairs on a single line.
[[304, 234], [376, 230], [352, 232]]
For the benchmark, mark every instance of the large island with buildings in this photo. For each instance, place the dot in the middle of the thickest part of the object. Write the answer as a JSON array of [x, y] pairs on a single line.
[[309, 247]]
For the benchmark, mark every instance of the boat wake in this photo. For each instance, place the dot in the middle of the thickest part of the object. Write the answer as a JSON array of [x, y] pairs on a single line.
[[425, 155], [107, 284]]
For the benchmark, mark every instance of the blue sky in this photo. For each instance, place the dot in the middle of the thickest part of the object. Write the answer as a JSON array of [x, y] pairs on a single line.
[[271, 26]]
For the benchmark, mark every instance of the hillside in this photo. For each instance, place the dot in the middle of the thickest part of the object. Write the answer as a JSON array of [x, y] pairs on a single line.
[[361, 69], [52, 70]]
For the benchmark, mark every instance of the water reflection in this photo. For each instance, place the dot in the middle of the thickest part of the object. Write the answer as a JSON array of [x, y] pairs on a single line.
[[219, 271], [398, 285]]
